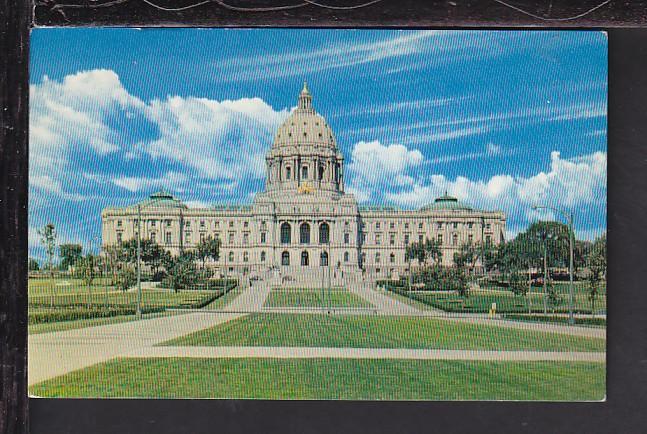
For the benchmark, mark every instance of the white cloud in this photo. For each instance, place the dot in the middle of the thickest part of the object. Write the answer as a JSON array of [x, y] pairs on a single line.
[[221, 140], [374, 162], [569, 183]]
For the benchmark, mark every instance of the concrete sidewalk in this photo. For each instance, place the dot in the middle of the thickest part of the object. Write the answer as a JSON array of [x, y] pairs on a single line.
[[364, 353]]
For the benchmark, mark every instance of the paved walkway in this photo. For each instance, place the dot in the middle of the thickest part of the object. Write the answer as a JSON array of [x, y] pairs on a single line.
[[381, 301], [364, 353]]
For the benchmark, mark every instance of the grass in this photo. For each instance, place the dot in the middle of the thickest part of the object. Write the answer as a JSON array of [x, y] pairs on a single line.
[[558, 319], [62, 299], [91, 322], [300, 297], [225, 299], [480, 301], [346, 379], [362, 331]]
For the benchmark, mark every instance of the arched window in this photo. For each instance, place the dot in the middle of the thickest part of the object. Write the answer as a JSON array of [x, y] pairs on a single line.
[[324, 233], [304, 233], [324, 259], [285, 258], [392, 257], [304, 172], [304, 258], [245, 256], [377, 258], [321, 172], [231, 256], [262, 256], [346, 257], [288, 172], [455, 239], [286, 233]]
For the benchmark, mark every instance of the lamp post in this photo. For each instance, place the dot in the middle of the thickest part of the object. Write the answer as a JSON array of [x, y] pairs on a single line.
[[569, 218]]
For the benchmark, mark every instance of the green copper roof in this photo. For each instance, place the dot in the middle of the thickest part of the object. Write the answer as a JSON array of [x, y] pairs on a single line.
[[446, 202], [161, 199]]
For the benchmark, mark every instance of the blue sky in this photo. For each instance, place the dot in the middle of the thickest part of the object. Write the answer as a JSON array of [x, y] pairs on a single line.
[[501, 120]]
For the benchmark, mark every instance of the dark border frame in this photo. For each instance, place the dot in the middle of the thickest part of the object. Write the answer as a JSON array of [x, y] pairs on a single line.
[[627, 327]]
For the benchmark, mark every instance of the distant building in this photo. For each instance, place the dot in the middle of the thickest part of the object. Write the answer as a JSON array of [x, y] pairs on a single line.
[[304, 227]]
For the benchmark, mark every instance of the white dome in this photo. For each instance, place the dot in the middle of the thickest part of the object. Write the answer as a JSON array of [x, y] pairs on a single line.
[[304, 126]]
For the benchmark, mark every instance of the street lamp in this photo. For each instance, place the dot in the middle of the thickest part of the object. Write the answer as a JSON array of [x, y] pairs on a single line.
[[569, 218]]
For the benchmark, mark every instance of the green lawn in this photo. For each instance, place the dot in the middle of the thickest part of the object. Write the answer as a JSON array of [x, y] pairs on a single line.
[[90, 322], [480, 301], [61, 299], [301, 297], [225, 299], [363, 331], [331, 379]]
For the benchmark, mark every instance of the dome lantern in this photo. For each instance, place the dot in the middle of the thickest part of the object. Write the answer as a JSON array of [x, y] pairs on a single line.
[[305, 99]]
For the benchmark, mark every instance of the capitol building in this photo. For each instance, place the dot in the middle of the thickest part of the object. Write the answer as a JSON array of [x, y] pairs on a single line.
[[304, 226]]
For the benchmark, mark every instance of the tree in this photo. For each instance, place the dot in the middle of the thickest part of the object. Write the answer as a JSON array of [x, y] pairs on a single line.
[[466, 257], [124, 278], [152, 254], [33, 265], [518, 284], [69, 254], [432, 249], [86, 269], [415, 251], [181, 272], [597, 261], [208, 248], [48, 239]]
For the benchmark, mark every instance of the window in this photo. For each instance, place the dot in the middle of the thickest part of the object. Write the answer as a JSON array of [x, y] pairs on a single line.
[[406, 225], [168, 223], [377, 225], [363, 258], [421, 238], [304, 259], [153, 223], [346, 238], [263, 225], [168, 238], [286, 235], [231, 224], [262, 256], [363, 237], [321, 170], [246, 224], [392, 225], [202, 236], [346, 226], [304, 233], [119, 223], [231, 256], [285, 258], [346, 257], [470, 225], [392, 257], [455, 225], [377, 258], [263, 237], [119, 237], [439, 225], [406, 238], [378, 239], [304, 172], [440, 239], [324, 233], [202, 223], [455, 240], [188, 224], [323, 260], [470, 238], [288, 175], [216, 225], [420, 226], [488, 239], [245, 256], [231, 238], [187, 236], [153, 235], [246, 238], [488, 226]]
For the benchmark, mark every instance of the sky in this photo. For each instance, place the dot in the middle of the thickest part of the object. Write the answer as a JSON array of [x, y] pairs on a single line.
[[502, 120]]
